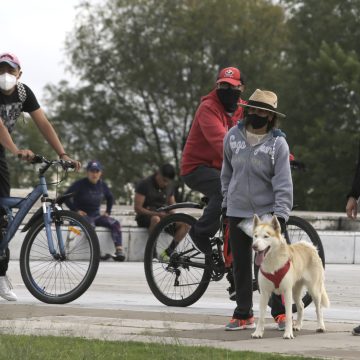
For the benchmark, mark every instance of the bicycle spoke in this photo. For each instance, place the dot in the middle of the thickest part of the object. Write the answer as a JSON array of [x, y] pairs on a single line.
[[165, 275], [58, 277]]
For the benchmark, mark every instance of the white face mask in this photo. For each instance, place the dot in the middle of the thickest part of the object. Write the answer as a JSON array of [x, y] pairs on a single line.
[[7, 81]]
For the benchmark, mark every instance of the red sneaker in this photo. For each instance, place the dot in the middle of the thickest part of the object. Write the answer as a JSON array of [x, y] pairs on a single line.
[[240, 324], [281, 321]]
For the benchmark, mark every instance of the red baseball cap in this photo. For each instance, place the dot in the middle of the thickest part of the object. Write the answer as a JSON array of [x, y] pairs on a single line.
[[230, 75], [10, 59]]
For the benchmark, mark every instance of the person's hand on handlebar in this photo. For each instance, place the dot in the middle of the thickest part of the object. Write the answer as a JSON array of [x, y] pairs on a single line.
[[76, 163], [25, 154]]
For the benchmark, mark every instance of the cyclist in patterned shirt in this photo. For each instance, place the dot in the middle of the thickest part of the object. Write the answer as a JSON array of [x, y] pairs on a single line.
[[16, 98]]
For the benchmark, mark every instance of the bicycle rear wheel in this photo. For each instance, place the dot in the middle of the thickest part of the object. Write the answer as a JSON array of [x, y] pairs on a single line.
[[56, 280], [301, 230], [183, 278]]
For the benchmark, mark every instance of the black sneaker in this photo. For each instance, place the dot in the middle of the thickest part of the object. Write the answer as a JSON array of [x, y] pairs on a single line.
[[105, 257], [119, 255], [356, 331], [201, 244]]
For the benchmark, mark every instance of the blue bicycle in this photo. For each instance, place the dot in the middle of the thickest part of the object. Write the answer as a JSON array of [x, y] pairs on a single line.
[[60, 254]]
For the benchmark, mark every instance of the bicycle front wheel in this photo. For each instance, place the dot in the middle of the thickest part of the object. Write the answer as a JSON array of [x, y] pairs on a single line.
[[56, 279], [182, 278]]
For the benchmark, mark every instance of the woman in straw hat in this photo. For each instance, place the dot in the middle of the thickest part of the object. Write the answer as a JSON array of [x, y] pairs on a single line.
[[255, 179]]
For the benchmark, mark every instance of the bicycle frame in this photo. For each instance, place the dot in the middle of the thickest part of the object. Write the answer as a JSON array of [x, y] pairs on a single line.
[[24, 205]]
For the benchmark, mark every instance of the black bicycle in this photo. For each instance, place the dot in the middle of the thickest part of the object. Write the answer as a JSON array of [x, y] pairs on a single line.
[[182, 278]]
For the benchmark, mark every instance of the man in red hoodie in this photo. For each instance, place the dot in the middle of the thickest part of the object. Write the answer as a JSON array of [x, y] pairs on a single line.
[[203, 152]]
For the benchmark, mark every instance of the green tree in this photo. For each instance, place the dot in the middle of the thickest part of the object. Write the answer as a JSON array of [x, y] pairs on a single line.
[[321, 98], [143, 66]]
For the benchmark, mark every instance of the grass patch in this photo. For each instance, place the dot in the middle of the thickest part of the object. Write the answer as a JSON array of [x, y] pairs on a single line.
[[65, 348]]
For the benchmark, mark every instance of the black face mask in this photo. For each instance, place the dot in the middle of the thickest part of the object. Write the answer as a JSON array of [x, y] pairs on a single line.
[[256, 121], [229, 98]]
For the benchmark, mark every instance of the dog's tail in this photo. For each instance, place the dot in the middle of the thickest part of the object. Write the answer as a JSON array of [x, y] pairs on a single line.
[[325, 302]]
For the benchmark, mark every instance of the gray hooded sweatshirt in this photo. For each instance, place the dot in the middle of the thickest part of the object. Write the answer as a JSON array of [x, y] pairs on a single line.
[[256, 179]]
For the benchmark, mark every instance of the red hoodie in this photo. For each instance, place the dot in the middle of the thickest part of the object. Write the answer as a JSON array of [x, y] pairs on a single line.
[[204, 145]]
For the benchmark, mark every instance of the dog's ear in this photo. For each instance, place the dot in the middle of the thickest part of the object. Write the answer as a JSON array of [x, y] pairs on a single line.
[[256, 221], [275, 224]]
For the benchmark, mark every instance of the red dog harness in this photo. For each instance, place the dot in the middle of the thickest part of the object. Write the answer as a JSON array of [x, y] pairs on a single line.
[[278, 274]]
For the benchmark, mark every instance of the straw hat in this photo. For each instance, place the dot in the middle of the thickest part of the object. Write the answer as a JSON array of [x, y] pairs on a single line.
[[265, 100]]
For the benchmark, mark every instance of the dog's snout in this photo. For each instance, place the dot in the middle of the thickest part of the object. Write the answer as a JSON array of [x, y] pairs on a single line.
[[255, 247]]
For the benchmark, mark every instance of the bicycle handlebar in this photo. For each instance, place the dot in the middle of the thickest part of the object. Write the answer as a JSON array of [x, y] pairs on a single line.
[[297, 165], [39, 159], [182, 205]]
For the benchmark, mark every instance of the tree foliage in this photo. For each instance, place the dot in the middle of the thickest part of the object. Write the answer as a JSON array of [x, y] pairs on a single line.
[[321, 97], [144, 64]]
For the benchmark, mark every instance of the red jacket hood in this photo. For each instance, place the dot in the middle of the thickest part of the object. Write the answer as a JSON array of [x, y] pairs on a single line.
[[204, 145]]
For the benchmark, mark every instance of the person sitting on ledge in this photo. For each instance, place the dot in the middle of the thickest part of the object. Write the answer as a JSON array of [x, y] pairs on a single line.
[[154, 192], [89, 192]]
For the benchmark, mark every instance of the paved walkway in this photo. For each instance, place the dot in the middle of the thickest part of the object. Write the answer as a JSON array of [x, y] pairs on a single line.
[[120, 306]]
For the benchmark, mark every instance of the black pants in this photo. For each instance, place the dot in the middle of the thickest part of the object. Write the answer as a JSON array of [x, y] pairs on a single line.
[[4, 192], [242, 269], [206, 180]]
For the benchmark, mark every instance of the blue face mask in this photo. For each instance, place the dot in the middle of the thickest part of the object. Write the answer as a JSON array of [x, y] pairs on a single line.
[[256, 121]]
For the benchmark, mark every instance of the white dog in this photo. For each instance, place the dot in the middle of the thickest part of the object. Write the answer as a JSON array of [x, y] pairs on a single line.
[[286, 269]]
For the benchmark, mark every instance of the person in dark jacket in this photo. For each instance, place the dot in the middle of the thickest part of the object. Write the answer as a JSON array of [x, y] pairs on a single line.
[[352, 209], [89, 193], [203, 152]]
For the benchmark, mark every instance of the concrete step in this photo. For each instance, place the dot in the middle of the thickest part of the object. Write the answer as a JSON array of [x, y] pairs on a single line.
[[320, 220], [340, 236], [340, 247]]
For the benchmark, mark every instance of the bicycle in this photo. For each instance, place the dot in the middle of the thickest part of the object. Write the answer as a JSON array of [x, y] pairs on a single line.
[[60, 254], [184, 278]]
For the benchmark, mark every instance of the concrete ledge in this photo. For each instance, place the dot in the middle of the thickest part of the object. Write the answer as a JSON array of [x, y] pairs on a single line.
[[341, 247], [357, 249], [134, 242]]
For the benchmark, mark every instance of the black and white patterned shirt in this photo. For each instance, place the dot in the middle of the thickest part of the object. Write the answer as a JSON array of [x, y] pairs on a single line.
[[11, 106]]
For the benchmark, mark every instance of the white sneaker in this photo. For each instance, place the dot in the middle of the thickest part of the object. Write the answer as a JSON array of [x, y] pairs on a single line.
[[5, 289]]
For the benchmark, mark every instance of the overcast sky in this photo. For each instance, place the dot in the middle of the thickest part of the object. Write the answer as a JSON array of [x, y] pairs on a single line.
[[35, 30]]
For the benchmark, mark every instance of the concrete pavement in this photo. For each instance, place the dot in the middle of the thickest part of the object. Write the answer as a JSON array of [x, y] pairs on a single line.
[[120, 306]]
